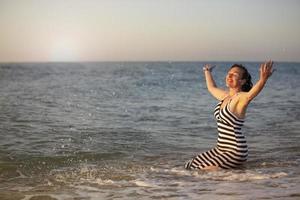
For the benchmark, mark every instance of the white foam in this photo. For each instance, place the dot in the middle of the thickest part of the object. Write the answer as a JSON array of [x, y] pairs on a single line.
[[240, 175], [176, 171], [100, 181], [228, 175], [142, 183], [23, 188]]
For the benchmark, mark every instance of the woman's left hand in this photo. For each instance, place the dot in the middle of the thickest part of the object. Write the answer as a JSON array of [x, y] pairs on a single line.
[[208, 67], [266, 70]]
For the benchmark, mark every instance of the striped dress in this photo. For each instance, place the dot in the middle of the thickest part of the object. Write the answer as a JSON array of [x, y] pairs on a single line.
[[231, 150]]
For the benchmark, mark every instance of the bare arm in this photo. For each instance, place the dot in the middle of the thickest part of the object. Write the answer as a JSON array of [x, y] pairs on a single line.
[[211, 85], [265, 72]]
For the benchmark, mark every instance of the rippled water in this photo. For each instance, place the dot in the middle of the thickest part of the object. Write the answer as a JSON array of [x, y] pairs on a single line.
[[124, 130]]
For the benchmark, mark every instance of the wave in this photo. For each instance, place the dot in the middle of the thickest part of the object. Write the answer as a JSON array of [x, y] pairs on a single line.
[[223, 175]]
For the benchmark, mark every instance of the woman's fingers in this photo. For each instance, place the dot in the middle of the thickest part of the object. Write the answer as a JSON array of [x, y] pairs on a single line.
[[208, 67], [266, 69], [269, 68], [263, 67], [270, 65], [205, 67]]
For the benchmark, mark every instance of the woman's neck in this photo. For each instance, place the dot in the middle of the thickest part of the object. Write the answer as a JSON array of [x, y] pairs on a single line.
[[233, 92]]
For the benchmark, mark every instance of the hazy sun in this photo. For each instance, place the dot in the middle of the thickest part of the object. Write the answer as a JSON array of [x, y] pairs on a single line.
[[64, 49]]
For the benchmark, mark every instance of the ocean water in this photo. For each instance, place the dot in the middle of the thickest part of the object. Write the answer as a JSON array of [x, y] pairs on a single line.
[[124, 131]]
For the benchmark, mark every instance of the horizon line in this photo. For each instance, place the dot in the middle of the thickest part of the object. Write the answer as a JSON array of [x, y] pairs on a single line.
[[143, 61]]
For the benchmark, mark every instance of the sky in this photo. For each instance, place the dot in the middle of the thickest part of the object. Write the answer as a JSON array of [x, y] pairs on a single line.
[[149, 30]]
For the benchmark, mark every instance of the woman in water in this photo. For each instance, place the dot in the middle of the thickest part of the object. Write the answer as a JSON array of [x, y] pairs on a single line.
[[231, 150]]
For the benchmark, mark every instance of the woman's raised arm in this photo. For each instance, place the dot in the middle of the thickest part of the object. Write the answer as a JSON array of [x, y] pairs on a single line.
[[265, 72], [211, 85]]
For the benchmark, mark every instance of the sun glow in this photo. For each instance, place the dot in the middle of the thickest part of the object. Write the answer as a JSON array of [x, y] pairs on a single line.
[[65, 49]]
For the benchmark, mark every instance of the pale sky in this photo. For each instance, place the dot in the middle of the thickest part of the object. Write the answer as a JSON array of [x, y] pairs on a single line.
[[149, 30]]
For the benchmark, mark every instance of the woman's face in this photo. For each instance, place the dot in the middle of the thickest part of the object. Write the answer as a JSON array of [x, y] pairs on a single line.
[[234, 78]]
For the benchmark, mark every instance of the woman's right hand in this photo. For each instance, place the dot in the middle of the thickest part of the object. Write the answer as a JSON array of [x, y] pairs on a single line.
[[208, 67], [218, 93]]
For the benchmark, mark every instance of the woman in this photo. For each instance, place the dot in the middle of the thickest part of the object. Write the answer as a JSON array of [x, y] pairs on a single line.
[[231, 150]]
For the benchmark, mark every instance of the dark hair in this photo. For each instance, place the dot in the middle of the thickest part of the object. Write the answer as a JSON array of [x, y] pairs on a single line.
[[248, 84]]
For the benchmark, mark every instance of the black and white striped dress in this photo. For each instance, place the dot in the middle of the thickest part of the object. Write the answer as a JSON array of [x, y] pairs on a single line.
[[231, 150]]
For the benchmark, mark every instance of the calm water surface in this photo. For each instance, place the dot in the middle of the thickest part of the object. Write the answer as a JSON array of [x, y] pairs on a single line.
[[124, 130]]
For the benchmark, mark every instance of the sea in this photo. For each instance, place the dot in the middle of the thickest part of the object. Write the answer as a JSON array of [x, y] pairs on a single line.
[[124, 130]]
